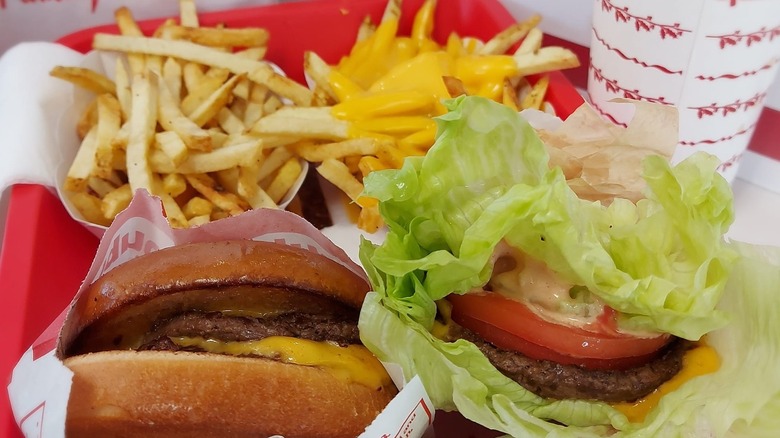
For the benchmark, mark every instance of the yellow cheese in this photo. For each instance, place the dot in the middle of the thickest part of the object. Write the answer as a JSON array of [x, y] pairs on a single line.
[[484, 75], [384, 104], [353, 363], [701, 360], [422, 73]]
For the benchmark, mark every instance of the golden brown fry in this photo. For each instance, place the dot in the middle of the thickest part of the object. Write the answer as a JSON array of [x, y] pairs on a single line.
[[366, 29], [454, 86], [188, 14], [84, 163], [229, 122], [209, 108], [116, 201], [339, 175], [123, 93], [319, 71], [273, 161], [85, 78], [172, 146], [392, 10], [214, 37], [192, 75], [128, 26], [545, 59], [100, 186], [208, 84], [284, 180], [173, 184], [89, 206], [223, 158], [226, 201], [254, 53], [505, 39], [172, 75], [303, 123], [143, 118], [352, 147], [87, 120], [109, 119], [197, 206], [257, 71], [172, 119], [509, 95], [531, 43], [535, 98], [369, 219]]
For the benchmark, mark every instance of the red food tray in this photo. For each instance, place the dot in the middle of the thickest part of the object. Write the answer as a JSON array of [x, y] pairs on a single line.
[[45, 254]]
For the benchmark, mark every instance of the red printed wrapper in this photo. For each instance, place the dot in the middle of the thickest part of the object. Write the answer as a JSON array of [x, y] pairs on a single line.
[[40, 384]]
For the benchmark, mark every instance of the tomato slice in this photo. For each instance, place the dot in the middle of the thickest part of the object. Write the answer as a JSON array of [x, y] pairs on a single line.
[[511, 325]]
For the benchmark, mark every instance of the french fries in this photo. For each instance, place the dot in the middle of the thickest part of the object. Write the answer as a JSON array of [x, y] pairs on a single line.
[[381, 97], [178, 120], [196, 116]]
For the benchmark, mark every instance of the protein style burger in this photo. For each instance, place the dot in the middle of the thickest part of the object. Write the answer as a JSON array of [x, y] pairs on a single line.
[[229, 338], [539, 313]]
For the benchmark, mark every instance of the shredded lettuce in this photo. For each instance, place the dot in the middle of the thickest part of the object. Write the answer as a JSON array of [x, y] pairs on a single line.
[[662, 262]]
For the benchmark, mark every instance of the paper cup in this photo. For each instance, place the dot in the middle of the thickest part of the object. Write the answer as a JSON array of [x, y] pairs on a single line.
[[713, 59]]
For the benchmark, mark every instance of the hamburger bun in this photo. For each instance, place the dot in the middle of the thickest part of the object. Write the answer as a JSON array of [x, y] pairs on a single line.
[[290, 363]]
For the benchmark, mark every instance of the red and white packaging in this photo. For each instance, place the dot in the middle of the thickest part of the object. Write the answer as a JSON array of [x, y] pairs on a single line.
[[40, 383], [713, 59]]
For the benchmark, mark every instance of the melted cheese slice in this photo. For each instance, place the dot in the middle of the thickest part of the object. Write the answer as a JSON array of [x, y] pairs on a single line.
[[698, 361], [353, 363]]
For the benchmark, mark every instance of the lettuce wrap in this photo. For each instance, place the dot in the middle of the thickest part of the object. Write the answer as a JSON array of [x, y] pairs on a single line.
[[661, 261]]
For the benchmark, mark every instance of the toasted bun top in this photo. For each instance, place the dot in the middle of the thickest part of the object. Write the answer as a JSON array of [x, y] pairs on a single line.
[[212, 265]]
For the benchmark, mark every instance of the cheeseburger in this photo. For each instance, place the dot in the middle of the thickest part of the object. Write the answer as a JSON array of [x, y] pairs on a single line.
[[536, 312], [229, 338]]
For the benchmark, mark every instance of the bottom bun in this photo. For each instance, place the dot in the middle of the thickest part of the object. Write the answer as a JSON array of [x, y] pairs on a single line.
[[163, 393]]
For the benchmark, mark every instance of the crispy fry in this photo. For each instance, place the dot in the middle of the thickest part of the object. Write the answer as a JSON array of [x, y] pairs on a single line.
[[226, 201], [531, 43], [116, 201], [505, 39], [100, 186], [535, 98], [303, 123], [213, 37], [188, 15], [545, 59], [85, 78], [83, 164], [89, 206], [203, 162], [172, 146], [339, 175], [128, 26], [284, 179], [197, 206], [172, 119], [258, 71], [172, 75], [209, 108], [143, 119], [173, 184], [109, 119], [87, 120], [324, 151]]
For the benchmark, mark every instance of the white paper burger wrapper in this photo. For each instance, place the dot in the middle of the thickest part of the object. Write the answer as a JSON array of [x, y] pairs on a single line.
[[40, 383]]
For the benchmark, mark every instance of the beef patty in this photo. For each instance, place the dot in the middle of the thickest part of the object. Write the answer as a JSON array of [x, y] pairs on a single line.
[[553, 380], [215, 325]]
